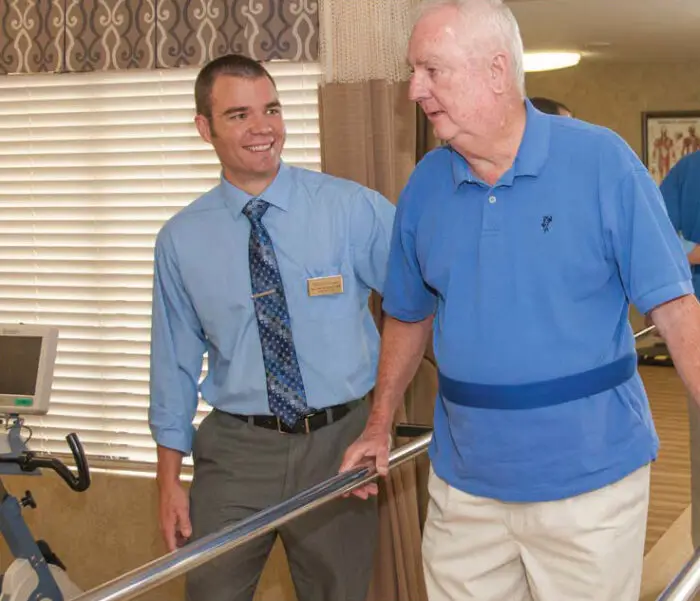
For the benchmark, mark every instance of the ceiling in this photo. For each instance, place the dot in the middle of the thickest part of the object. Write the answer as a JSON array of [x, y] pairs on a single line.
[[622, 30]]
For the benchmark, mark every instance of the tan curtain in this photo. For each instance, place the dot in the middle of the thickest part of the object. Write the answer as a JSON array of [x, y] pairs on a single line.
[[369, 133]]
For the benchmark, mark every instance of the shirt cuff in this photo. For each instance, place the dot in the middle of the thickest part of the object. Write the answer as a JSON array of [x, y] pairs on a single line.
[[663, 295], [171, 438]]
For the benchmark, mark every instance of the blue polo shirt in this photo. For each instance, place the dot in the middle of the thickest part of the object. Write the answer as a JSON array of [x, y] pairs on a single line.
[[681, 192], [530, 280]]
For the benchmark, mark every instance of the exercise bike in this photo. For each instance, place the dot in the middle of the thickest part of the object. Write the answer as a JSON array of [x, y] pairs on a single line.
[[36, 574]]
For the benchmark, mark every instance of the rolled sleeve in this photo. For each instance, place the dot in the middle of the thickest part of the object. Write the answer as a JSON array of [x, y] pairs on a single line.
[[406, 295], [177, 350], [652, 265], [372, 220], [663, 295]]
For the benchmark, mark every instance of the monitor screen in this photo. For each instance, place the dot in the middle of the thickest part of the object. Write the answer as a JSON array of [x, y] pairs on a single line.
[[19, 364]]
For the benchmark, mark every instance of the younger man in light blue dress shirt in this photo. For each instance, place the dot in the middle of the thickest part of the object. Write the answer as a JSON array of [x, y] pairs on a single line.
[[269, 273]]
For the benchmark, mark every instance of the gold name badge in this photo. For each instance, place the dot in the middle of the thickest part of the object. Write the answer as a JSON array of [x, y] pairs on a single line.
[[332, 284]]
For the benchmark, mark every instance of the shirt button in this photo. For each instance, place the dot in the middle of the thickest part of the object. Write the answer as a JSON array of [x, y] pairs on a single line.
[[492, 199]]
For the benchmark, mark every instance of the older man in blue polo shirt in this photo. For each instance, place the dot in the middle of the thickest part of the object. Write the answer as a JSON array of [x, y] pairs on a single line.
[[520, 244]]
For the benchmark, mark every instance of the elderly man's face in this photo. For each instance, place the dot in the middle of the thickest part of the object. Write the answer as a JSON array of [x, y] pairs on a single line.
[[451, 85]]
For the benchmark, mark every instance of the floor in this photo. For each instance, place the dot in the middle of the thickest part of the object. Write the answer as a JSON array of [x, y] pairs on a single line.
[[670, 474], [668, 542], [666, 558]]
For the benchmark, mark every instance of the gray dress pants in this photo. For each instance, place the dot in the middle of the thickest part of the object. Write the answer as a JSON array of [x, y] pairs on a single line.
[[240, 469]]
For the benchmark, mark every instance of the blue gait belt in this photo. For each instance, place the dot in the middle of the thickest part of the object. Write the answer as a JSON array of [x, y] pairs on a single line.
[[539, 394]]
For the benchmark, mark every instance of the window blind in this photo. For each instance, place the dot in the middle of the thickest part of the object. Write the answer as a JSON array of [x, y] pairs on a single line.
[[91, 166]]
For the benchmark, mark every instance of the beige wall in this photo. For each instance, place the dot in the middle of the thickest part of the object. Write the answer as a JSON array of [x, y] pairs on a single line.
[[97, 534], [616, 94], [110, 529]]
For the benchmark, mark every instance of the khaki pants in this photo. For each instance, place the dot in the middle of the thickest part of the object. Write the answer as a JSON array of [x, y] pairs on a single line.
[[586, 548]]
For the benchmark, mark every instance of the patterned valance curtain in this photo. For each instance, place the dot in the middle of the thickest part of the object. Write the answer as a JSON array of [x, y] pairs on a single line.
[[89, 35]]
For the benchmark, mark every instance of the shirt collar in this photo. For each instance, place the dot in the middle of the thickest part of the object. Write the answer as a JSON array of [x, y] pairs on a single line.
[[277, 193], [532, 153]]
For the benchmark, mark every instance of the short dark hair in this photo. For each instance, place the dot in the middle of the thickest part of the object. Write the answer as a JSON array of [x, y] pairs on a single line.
[[235, 65], [549, 106]]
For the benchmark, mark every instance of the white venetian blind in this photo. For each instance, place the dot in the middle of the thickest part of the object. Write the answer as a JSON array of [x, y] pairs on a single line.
[[91, 165]]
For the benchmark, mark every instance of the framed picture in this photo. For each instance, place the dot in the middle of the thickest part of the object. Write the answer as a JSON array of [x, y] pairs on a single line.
[[666, 138]]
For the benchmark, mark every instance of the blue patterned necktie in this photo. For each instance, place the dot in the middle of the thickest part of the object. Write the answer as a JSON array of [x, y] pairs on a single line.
[[285, 389]]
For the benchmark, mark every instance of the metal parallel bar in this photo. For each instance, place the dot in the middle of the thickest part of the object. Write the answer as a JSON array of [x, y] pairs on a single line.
[[645, 332], [411, 430], [155, 573], [684, 586]]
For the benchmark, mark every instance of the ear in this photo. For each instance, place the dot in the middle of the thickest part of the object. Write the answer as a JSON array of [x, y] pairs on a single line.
[[203, 127], [500, 73]]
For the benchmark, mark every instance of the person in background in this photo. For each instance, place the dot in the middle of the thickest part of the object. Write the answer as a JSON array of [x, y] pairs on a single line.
[[551, 107], [269, 274], [681, 192]]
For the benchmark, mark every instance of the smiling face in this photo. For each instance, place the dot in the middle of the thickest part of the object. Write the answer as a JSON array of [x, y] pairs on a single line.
[[246, 130], [458, 76]]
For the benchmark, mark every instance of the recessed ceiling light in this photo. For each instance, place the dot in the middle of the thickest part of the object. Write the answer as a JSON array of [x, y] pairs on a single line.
[[548, 61]]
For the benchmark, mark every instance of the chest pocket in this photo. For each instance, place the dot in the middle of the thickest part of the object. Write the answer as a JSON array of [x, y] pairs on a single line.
[[564, 244], [329, 303], [319, 250]]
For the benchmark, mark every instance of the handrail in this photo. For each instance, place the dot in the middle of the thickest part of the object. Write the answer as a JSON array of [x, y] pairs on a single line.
[[192, 555], [686, 583], [645, 332], [153, 574]]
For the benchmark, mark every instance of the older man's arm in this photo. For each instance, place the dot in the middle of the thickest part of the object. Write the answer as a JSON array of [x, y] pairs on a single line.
[[678, 322]]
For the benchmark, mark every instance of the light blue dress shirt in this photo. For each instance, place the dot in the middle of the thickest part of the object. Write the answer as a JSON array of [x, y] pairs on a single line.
[[321, 226]]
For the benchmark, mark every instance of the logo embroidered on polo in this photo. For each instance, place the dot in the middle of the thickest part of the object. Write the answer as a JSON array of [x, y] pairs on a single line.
[[546, 223]]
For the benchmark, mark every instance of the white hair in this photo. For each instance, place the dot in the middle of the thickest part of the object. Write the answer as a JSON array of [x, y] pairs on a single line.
[[491, 17]]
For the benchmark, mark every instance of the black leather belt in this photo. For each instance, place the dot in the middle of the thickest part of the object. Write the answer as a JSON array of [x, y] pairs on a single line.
[[308, 423]]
